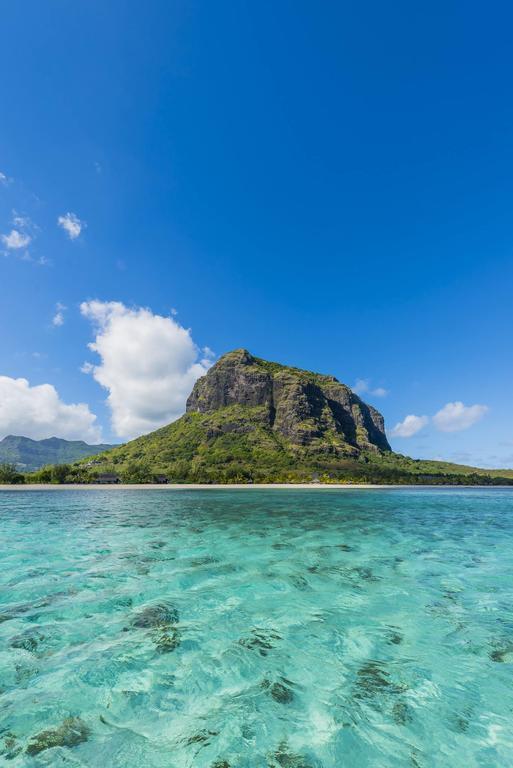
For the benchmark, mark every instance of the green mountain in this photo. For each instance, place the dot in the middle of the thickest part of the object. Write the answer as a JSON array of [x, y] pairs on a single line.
[[250, 420], [28, 455]]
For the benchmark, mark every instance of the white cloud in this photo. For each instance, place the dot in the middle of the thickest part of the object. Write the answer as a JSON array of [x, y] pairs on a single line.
[[38, 412], [4, 180], [16, 239], [58, 318], [71, 224], [410, 425], [149, 364], [23, 222], [208, 357], [454, 417], [21, 235], [362, 387]]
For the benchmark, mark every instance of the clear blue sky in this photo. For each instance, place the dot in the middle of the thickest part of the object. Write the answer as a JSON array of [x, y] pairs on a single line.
[[329, 185]]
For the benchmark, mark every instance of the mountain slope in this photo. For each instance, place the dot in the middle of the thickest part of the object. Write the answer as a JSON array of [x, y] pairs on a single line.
[[252, 420], [29, 455]]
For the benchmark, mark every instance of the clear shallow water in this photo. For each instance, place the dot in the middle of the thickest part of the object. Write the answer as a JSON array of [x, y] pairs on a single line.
[[294, 629]]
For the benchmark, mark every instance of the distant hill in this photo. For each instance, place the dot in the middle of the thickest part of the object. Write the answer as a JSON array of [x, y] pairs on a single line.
[[252, 420], [29, 455]]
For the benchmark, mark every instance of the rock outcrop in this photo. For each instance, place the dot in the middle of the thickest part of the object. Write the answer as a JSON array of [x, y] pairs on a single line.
[[308, 409]]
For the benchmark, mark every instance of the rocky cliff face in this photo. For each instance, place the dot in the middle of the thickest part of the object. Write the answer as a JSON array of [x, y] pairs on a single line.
[[308, 409]]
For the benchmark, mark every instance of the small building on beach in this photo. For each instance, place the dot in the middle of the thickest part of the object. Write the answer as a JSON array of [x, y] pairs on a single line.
[[108, 478]]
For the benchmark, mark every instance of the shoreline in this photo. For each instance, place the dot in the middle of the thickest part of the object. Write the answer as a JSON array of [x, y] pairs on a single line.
[[227, 486]]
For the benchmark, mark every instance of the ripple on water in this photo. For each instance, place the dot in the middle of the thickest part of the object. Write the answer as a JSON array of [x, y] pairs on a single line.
[[257, 629]]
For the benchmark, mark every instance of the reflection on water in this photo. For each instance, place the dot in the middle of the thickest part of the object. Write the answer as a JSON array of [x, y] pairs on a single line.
[[247, 629]]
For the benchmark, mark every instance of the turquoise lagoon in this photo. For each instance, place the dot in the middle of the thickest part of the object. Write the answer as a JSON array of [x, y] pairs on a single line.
[[258, 628]]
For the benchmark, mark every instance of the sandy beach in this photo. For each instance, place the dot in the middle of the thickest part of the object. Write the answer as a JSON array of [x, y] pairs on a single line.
[[184, 486], [226, 487]]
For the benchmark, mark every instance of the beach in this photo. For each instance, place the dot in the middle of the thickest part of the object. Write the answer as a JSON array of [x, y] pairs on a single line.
[[223, 487]]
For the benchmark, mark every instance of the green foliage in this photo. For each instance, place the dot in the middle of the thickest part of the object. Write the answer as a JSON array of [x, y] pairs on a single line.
[[29, 455], [137, 472], [9, 474], [233, 445], [240, 443], [60, 474]]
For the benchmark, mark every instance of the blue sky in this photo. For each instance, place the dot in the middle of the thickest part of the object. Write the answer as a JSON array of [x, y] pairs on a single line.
[[330, 186]]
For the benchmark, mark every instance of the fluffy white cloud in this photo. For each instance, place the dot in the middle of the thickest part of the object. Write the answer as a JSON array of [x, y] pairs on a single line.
[[362, 387], [4, 179], [410, 425], [16, 239], [149, 364], [38, 412], [71, 224], [454, 417]]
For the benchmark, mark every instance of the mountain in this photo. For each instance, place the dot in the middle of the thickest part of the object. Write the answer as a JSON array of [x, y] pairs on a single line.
[[29, 455], [249, 419], [303, 408]]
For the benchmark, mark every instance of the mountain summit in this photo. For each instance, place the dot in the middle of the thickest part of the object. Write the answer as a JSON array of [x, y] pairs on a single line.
[[249, 420], [307, 409]]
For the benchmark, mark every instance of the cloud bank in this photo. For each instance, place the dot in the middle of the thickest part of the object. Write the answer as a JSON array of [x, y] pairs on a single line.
[[149, 364], [38, 412], [454, 417]]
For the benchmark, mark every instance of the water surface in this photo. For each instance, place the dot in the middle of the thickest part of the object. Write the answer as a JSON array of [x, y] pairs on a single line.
[[258, 628]]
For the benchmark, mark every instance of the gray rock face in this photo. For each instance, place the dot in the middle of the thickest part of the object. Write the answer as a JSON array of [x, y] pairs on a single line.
[[234, 379], [308, 409]]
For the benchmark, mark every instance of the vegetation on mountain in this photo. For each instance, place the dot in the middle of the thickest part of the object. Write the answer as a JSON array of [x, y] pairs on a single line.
[[187, 452], [28, 455], [252, 421]]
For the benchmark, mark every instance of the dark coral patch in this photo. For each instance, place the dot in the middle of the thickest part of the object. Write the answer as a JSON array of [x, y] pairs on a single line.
[[168, 640], [153, 616], [280, 691], [73, 731], [261, 640], [28, 641]]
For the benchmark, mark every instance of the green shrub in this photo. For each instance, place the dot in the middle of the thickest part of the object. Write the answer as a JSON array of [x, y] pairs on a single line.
[[9, 474]]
